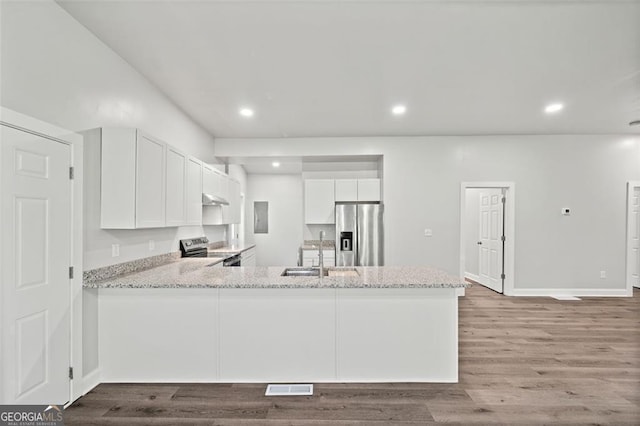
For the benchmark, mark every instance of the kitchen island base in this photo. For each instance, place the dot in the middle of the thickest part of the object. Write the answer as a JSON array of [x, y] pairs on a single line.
[[278, 335]]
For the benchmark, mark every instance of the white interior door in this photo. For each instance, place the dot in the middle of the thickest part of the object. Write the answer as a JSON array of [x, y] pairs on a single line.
[[36, 242], [490, 242], [634, 232]]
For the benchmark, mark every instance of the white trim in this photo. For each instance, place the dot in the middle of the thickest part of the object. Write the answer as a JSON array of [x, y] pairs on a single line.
[[631, 185], [577, 292], [29, 124], [510, 227], [90, 381], [471, 276]]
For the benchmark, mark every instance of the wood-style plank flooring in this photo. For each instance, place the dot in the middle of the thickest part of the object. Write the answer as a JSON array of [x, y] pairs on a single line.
[[527, 360]]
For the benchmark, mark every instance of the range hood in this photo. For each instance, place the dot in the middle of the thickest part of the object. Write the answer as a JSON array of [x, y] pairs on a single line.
[[213, 200]]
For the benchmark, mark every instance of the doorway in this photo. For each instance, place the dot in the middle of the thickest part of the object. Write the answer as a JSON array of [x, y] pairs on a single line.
[[486, 234], [633, 236]]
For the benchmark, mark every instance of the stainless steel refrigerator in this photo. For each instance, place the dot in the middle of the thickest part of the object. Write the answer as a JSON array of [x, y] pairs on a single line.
[[359, 234]]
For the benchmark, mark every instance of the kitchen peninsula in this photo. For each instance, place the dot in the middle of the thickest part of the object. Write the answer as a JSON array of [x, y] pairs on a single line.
[[188, 322]]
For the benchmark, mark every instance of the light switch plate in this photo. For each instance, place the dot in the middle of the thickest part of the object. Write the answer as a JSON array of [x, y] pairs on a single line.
[[428, 233], [115, 250]]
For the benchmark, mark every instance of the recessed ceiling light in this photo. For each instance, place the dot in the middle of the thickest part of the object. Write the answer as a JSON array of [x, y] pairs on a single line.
[[399, 109], [246, 112], [634, 123], [275, 164], [553, 108]]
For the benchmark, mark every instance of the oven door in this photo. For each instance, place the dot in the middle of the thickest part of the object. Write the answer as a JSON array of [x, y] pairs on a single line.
[[235, 260]]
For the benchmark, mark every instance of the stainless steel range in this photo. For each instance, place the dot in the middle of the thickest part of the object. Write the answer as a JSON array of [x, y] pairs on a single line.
[[198, 247], [194, 247]]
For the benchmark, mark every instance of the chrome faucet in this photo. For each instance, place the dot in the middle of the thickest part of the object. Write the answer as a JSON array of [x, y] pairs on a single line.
[[321, 255]]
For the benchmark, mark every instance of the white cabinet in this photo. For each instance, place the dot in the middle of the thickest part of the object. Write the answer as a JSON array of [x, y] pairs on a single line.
[[132, 180], [346, 189], [368, 190], [249, 257], [319, 199], [311, 258], [150, 182], [194, 191], [234, 198], [221, 185], [214, 182], [176, 186], [357, 189]]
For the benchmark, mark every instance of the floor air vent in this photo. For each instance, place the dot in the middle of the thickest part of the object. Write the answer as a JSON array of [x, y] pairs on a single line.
[[289, 390], [561, 297]]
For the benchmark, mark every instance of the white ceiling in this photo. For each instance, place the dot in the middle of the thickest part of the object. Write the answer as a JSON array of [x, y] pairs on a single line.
[[335, 68]]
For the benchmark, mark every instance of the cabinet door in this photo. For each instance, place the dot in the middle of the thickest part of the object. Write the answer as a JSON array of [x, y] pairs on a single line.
[[346, 189], [150, 182], [319, 201], [368, 189], [249, 257], [176, 197], [234, 199], [194, 192], [208, 180], [221, 185], [117, 178]]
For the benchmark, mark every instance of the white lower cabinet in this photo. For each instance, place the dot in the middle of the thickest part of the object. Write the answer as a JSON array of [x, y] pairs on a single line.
[[249, 257], [278, 334]]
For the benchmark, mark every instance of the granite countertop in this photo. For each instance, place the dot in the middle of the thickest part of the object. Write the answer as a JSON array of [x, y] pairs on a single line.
[[198, 273], [230, 250]]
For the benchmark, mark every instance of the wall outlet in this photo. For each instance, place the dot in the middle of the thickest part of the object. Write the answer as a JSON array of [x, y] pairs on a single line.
[[115, 250], [603, 274], [428, 233], [152, 245]]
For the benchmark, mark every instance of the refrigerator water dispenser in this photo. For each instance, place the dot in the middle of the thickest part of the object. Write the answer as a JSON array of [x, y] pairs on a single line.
[[346, 241]]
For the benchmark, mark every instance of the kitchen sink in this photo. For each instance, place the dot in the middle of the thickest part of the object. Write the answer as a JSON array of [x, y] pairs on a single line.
[[315, 272], [303, 272]]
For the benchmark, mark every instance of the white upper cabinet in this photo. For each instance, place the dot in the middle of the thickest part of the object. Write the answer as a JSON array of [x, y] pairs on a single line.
[[234, 201], [194, 191], [346, 189], [221, 185], [133, 168], [319, 201], [176, 180], [208, 180], [368, 190], [150, 182]]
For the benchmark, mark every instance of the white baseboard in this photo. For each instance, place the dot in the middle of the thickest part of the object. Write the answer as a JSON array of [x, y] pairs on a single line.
[[90, 381], [577, 292], [471, 276]]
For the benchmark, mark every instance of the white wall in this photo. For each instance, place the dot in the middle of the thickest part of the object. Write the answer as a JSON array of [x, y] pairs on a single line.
[[421, 187], [284, 194], [236, 232], [472, 230], [54, 69]]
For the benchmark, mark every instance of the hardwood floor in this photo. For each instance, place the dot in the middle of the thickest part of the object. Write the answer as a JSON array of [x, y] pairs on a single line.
[[522, 361]]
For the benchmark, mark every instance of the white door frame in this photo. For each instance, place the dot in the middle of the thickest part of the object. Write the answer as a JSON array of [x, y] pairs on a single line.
[[631, 186], [509, 223], [34, 126]]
